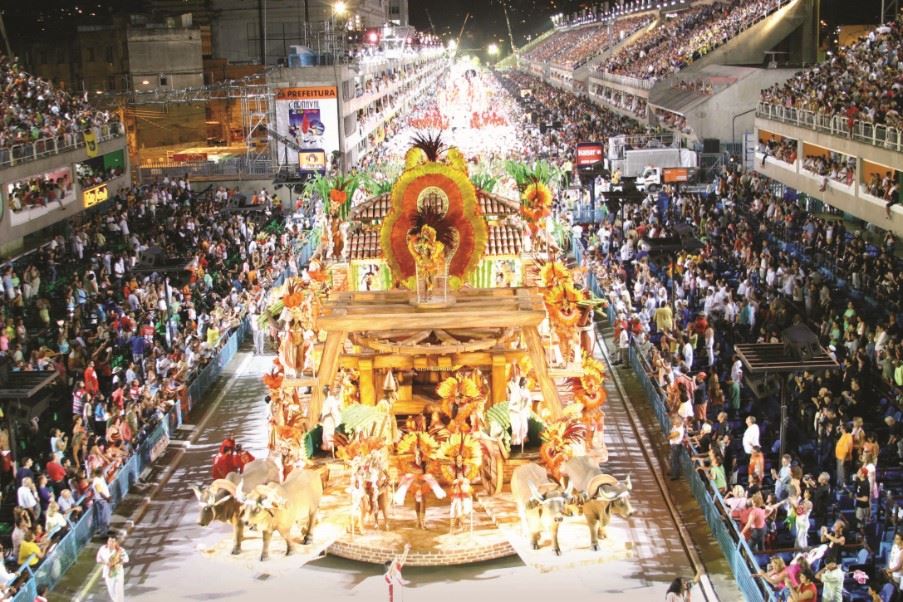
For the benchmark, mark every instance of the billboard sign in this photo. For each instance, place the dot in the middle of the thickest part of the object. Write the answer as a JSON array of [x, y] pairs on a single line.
[[677, 175], [96, 195], [589, 153], [309, 118], [313, 160]]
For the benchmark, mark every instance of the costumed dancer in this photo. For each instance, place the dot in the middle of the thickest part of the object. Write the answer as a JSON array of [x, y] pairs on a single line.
[[418, 478], [330, 418], [519, 407], [358, 491], [393, 575], [111, 557]]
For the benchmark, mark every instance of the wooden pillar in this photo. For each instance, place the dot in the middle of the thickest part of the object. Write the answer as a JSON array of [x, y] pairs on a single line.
[[499, 378], [538, 359], [367, 388], [329, 365]]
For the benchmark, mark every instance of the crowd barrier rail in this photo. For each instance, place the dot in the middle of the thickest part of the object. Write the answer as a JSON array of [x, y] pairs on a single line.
[[739, 555], [836, 125], [47, 147], [65, 553], [736, 551]]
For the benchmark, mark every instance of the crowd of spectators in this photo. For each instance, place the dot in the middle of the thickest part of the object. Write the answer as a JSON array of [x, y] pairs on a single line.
[[674, 121], [782, 149], [127, 308], [580, 119], [832, 166], [622, 100], [858, 82], [765, 265], [40, 191], [32, 108], [686, 36], [88, 176], [574, 47]]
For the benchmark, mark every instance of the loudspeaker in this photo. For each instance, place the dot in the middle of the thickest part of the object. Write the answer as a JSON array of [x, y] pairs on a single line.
[[800, 342], [763, 387], [711, 146]]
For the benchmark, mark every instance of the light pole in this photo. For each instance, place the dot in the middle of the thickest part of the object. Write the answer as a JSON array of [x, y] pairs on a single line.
[[339, 11]]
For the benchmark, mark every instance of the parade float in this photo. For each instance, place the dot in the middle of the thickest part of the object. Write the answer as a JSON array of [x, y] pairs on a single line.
[[418, 400]]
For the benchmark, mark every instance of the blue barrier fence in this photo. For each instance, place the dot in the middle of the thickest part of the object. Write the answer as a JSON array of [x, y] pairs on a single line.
[[737, 552], [66, 551], [734, 547]]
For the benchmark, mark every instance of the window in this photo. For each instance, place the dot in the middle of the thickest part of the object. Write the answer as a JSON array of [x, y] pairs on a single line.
[[90, 51]]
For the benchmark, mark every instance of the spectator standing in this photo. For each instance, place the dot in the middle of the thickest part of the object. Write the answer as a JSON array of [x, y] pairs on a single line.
[[676, 441], [843, 452]]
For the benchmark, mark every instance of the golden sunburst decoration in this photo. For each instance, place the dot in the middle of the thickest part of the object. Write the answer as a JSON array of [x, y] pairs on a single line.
[[442, 181], [557, 441], [461, 454], [461, 396]]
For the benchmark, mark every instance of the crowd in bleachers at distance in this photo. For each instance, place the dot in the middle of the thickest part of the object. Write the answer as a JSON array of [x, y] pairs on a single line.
[[88, 176], [572, 48], [127, 308], [830, 506], [581, 119], [686, 36], [672, 120], [863, 81], [32, 108]]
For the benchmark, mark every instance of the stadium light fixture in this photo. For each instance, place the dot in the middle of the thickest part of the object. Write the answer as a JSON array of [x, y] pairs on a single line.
[[340, 9]]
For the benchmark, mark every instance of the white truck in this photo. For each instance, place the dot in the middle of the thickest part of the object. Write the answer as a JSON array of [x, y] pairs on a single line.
[[653, 178]]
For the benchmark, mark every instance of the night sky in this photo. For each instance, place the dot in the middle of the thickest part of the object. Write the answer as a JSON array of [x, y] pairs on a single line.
[[487, 21]]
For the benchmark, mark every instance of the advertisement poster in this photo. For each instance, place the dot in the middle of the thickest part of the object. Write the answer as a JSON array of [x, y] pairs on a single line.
[[306, 119]]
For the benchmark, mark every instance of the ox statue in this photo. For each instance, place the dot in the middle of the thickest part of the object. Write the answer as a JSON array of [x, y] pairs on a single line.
[[605, 496], [278, 507], [578, 472], [222, 500], [541, 503]]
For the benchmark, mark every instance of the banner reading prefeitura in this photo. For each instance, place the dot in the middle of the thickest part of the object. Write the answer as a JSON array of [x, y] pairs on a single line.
[[309, 117]]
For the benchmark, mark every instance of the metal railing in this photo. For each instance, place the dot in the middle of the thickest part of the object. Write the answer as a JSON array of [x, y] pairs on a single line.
[[837, 125], [241, 166], [47, 147], [626, 80], [739, 555], [65, 553]]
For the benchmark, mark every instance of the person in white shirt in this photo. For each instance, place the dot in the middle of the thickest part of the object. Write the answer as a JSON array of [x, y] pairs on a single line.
[[894, 568], [688, 354], [676, 442], [101, 506], [27, 498], [750, 435], [736, 370], [519, 407], [111, 557]]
